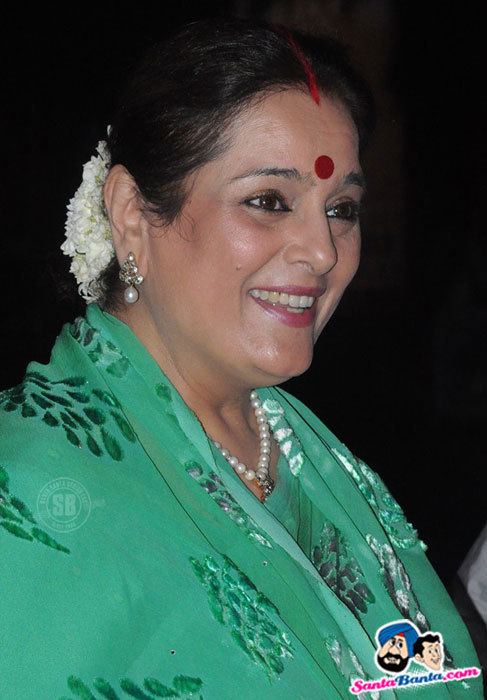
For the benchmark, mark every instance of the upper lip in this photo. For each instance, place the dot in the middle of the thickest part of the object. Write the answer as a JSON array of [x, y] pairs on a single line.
[[296, 290]]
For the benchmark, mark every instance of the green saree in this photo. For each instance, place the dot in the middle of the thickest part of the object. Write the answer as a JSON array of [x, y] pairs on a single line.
[[136, 564]]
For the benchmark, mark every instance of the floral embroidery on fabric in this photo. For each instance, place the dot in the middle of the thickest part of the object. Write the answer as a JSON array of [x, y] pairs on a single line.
[[235, 602], [388, 510], [90, 415], [182, 687], [17, 518], [215, 487], [284, 435], [102, 352], [348, 665], [340, 570]]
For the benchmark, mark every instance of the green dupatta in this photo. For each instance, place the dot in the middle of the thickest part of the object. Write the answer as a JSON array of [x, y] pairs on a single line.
[[136, 564]]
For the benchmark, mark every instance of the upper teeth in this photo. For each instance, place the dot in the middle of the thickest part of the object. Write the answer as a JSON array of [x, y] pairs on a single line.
[[292, 300]]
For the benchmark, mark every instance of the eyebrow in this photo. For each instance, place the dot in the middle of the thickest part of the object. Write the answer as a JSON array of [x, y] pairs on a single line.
[[352, 178]]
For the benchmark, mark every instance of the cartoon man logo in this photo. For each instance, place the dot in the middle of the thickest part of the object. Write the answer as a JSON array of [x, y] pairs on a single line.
[[396, 643], [428, 651]]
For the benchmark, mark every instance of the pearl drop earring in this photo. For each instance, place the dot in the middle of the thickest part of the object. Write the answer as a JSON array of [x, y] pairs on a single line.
[[129, 273]]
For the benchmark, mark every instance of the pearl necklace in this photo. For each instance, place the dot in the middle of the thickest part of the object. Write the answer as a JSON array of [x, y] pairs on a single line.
[[261, 474]]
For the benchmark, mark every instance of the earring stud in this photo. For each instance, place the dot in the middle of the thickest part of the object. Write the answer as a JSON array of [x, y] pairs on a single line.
[[129, 274]]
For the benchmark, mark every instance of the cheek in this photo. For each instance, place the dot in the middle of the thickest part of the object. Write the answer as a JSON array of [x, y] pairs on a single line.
[[223, 254], [243, 244]]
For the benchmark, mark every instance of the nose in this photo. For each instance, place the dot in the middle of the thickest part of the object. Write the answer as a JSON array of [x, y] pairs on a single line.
[[312, 244]]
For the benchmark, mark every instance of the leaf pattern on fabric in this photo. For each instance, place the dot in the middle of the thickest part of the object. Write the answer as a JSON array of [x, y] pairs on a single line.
[[17, 518], [102, 352], [89, 417], [163, 391], [388, 510], [340, 570], [215, 487], [284, 435], [182, 687], [236, 603], [397, 583], [348, 665]]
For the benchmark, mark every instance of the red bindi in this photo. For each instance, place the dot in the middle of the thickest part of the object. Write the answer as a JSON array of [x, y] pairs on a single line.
[[324, 167]]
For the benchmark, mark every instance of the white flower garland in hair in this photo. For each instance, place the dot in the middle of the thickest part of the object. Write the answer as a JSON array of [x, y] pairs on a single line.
[[87, 229]]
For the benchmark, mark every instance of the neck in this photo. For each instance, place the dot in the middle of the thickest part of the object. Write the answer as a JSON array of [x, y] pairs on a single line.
[[222, 404]]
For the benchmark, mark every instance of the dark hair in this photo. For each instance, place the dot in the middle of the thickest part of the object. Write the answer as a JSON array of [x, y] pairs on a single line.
[[180, 98], [418, 647]]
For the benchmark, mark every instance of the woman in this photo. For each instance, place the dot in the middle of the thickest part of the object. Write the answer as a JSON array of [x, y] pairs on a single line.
[[175, 525]]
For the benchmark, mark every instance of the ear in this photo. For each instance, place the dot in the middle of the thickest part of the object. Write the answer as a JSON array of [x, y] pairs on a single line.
[[418, 658], [127, 223]]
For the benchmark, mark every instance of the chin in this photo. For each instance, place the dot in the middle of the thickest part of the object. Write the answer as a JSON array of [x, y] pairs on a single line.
[[282, 371]]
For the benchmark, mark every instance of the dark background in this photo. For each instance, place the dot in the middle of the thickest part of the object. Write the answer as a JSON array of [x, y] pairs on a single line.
[[398, 373]]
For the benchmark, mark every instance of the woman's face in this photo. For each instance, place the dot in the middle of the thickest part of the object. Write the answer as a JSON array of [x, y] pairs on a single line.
[[241, 231]]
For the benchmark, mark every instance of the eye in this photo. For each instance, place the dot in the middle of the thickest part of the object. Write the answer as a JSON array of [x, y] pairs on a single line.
[[268, 200], [346, 211]]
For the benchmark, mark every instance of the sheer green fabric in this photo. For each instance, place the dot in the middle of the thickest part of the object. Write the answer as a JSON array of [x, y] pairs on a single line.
[[136, 564]]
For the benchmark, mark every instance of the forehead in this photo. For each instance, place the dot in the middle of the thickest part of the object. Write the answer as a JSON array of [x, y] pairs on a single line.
[[289, 128]]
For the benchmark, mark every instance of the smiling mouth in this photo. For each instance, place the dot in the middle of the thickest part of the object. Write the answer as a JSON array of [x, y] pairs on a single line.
[[293, 316], [293, 303]]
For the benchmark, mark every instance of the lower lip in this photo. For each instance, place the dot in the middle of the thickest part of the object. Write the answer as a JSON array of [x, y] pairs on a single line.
[[288, 317]]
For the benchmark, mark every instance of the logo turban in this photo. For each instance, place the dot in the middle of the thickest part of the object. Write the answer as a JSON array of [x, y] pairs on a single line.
[[402, 628]]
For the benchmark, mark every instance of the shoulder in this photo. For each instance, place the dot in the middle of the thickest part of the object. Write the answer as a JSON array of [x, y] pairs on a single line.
[[32, 447], [60, 406], [63, 437], [59, 421], [40, 411]]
